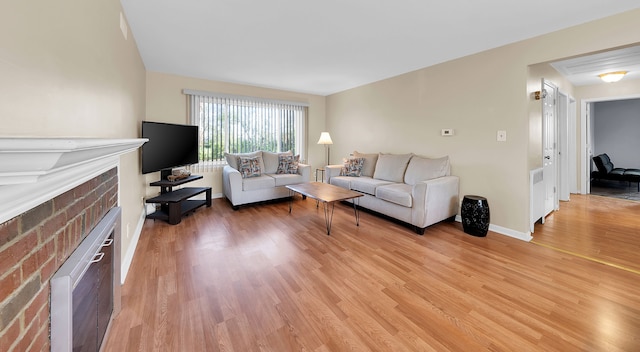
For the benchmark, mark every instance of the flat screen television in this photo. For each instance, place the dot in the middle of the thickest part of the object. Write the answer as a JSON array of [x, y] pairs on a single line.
[[169, 146]]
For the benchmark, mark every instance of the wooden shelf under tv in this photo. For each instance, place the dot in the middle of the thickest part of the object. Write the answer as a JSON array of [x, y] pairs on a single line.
[[176, 204], [166, 186]]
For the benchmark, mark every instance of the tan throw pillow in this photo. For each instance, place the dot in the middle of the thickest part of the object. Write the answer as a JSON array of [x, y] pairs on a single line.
[[422, 169], [391, 167]]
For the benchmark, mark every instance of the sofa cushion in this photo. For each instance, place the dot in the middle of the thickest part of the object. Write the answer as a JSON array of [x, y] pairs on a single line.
[[397, 193], [342, 181], [352, 167], [249, 166], [632, 175], [287, 179], [271, 161], [603, 163], [391, 167], [617, 172], [422, 169], [367, 184], [369, 164], [232, 159], [256, 183], [288, 164]]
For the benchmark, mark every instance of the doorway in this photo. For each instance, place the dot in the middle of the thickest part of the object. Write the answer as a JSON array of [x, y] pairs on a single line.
[[549, 143], [566, 119], [558, 137], [588, 149]]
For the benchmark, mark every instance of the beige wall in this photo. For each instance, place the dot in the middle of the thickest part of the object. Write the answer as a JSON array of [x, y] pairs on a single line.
[[67, 71], [534, 83], [166, 103], [476, 96], [601, 92], [622, 89]]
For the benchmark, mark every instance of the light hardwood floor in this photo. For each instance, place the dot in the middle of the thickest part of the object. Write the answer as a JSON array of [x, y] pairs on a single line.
[[261, 279], [599, 228]]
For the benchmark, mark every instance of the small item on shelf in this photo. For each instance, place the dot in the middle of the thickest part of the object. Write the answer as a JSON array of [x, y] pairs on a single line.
[[178, 174], [173, 178]]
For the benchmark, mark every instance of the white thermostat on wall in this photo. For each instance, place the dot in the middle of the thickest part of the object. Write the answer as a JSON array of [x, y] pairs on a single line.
[[447, 132]]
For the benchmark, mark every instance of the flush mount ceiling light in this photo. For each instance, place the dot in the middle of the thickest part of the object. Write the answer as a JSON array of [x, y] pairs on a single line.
[[610, 77]]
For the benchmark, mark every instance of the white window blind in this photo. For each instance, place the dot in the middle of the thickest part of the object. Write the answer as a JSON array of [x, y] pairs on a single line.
[[238, 124]]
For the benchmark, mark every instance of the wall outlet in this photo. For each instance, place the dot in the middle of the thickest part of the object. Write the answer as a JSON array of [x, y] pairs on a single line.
[[501, 136], [446, 132]]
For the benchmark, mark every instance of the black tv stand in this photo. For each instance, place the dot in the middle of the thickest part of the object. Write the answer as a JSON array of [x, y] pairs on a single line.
[[175, 204]]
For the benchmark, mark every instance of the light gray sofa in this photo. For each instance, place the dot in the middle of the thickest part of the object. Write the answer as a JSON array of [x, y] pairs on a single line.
[[265, 183], [416, 190]]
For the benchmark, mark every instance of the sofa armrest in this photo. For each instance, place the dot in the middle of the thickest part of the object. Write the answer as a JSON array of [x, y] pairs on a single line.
[[331, 171], [231, 184], [305, 171], [435, 200]]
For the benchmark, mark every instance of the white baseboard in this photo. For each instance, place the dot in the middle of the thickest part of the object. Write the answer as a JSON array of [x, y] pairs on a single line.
[[128, 257], [523, 236]]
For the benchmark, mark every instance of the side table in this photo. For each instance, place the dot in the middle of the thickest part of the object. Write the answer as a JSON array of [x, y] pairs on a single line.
[[321, 171], [475, 215]]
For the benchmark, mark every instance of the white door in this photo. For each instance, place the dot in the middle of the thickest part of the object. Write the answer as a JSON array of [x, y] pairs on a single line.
[[563, 146], [588, 151], [549, 127], [585, 147], [573, 148]]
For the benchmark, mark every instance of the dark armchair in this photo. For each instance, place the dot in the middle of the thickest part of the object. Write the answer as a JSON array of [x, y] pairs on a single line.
[[606, 171]]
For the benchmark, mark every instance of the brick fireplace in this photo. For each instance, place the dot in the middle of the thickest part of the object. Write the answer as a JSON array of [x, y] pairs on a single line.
[[37, 241], [33, 246]]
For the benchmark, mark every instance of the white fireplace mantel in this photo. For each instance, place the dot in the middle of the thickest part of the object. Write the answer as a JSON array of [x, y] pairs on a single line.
[[34, 170]]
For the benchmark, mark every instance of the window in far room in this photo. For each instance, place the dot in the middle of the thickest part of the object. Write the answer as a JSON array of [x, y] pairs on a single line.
[[238, 124]]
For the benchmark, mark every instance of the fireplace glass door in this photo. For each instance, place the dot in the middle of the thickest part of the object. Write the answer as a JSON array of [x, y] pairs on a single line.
[[93, 301]]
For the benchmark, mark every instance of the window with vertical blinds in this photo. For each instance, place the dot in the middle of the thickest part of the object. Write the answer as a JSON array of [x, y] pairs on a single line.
[[238, 124]]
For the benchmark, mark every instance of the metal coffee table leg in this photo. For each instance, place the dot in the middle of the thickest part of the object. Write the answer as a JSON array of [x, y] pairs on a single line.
[[328, 215], [356, 211], [291, 195]]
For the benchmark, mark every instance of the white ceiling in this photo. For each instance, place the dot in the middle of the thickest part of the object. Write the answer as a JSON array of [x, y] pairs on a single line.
[[324, 47], [584, 70]]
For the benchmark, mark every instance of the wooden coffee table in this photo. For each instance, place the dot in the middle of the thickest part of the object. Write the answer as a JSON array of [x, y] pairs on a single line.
[[328, 195]]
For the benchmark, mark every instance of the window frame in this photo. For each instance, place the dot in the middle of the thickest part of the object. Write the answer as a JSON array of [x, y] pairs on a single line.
[[237, 104]]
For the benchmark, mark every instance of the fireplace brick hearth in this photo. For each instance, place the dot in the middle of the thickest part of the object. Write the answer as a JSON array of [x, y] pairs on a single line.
[[33, 245]]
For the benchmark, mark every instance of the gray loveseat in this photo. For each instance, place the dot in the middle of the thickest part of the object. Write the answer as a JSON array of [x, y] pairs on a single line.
[[416, 190], [260, 176]]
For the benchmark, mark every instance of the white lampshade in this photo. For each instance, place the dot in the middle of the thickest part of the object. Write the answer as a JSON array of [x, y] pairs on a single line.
[[325, 138], [611, 77]]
